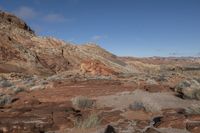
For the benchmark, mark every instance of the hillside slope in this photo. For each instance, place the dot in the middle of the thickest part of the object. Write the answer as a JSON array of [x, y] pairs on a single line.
[[23, 51]]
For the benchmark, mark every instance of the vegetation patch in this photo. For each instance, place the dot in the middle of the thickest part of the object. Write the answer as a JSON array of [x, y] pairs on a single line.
[[90, 122], [5, 83], [82, 102], [189, 89], [193, 110], [18, 90], [137, 106], [5, 99]]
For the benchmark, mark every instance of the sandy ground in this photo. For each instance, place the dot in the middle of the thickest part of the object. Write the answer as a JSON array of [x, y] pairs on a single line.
[[153, 102]]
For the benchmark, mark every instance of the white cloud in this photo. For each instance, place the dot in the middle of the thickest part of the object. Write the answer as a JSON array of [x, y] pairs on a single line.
[[97, 37], [55, 18], [25, 12]]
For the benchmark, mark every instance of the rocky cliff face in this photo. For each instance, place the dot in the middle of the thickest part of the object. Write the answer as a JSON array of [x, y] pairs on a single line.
[[22, 51], [10, 22]]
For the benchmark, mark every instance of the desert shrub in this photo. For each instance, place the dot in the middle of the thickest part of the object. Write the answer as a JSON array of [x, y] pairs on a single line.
[[193, 110], [190, 93], [189, 89], [198, 80], [137, 106], [18, 90], [161, 78], [182, 85], [5, 83], [31, 84], [5, 99], [90, 122], [151, 82], [82, 102], [43, 82], [197, 94], [29, 81]]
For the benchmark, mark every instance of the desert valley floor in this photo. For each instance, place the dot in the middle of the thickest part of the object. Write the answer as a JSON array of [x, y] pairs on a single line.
[[51, 86]]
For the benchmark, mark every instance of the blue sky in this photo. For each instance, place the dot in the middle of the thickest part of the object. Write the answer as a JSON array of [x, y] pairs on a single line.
[[124, 27]]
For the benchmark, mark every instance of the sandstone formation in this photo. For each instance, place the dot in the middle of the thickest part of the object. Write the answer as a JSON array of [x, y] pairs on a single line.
[[40, 77]]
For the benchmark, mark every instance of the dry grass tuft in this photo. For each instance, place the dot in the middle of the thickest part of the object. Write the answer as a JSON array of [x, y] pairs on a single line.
[[90, 122], [137, 106], [193, 110], [82, 102], [189, 89]]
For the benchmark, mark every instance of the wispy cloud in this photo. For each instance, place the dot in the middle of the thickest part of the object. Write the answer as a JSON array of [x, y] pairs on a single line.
[[37, 28], [56, 18], [96, 37], [25, 12], [174, 53]]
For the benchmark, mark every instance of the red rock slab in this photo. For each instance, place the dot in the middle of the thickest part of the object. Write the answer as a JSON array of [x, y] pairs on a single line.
[[193, 127], [172, 121], [137, 115], [63, 92], [194, 117], [108, 117]]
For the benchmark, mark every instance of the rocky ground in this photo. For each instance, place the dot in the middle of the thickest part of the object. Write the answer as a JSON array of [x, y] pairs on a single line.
[[51, 86]]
